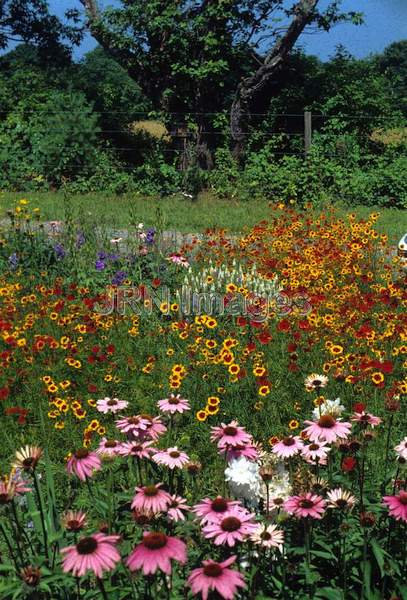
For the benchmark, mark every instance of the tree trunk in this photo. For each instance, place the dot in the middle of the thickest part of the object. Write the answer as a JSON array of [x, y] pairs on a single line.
[[251, 87]]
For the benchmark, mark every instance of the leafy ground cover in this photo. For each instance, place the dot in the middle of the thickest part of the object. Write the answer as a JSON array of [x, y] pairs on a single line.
[[250, 445], [180, 213]]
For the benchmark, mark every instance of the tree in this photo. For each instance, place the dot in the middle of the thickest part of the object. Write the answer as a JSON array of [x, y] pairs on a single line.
[[29, 21], [189, 55], [393, 64]]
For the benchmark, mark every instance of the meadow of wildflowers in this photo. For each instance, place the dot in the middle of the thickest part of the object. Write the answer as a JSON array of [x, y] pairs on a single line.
[[251, 447]]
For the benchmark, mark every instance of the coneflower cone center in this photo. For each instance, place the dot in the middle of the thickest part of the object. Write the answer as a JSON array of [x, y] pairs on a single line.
[[305, 503], [81, 453], [87, 545], [313, 447], [265, 535], [111, 402], [403, 498], [173, 401], [229, 430], [219, 505], [341, 503], [212, 570], [155, 541], [230, 524], [111, 444], [150, 490], [175, 454], [326, 421], [288, 441]]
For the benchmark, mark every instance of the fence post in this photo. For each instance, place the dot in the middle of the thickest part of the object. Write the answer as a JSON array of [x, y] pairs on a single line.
[[307, 130]]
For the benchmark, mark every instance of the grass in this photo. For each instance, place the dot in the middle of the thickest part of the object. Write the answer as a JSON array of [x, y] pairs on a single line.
[[180, 214]]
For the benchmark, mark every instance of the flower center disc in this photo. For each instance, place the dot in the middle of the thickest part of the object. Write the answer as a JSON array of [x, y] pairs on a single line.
[[212, 570], [305, 503], [219, 505], [150, 490], [313, 447], [111, 444], [86, 545], [230, 524], [173, 401], [229, 430], [288, 441], [111, 402], [155, 541], [81, 453], [403, 498], [326, 421], [265, 536], [175, 454]]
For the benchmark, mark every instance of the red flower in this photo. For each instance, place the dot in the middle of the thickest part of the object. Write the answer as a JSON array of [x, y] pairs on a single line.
[[110, 349], [241, 321], [359, 407], [348, 464], [4, 392], [283, 325]]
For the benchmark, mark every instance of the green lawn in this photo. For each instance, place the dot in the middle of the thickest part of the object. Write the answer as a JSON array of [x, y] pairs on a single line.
[[179, 213]]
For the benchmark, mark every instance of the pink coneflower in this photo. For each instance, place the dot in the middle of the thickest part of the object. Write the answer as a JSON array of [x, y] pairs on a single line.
[[151, 498], [108, 447], [111, 405], [95, 553], [233, 526], [305, 505], [230, 435], [268, 536], [137, 449], [209, 511], [316, 451], [178, 259], [327, 429], [11, 487], [132, 425], [155, 428], [171, 458], [83, 463], [156, 552], [176, 508], [401, 448], [315, 382], [173, 404], [217, 577], [288, 446], [365, 419], [74, 520], [249, 451], [397, 505], [339, 498]]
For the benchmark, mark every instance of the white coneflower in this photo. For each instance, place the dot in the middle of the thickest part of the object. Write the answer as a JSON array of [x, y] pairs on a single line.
[[27, 458], [339, 498], [315, 382], [268, 536]]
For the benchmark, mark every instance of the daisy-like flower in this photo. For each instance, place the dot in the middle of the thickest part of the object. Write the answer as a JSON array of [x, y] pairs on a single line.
[[111, 405], [171, 458], [155, 428], [330, 407], [268, 536], [339, 498], [316, 451], [327, 429], [97, 553], [305, 505], [230, 435], [74, 520], [137, 449], [397, 505], [173, 404], [11, 487], [83, 463], [234, 526], [108, 447], [217, 577], [288, 446], [151, 498], [176, 508], [27, 458], [401, 449], [132, 425], [156, 552], [365, 419], [249, 451], [315, 382], [209, 511]]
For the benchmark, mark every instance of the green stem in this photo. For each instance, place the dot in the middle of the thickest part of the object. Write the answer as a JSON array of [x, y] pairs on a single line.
[[102, 588], [41, 508], [9, 546], [386, 461]]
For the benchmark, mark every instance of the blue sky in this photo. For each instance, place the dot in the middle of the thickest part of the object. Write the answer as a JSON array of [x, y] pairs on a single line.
[[385, 22]]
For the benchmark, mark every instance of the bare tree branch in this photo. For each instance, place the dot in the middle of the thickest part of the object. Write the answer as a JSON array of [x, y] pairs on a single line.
[[250, 87]]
